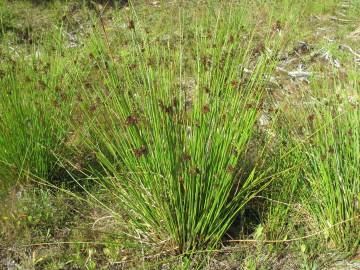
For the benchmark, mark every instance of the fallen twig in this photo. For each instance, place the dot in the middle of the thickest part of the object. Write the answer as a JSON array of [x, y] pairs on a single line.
[[349, 49], [295, 73], [339, 20]]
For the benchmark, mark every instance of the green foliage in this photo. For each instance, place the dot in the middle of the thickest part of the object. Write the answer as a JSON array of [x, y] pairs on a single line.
[[172, 140], [32, 123], [333, 174], [167, 112]]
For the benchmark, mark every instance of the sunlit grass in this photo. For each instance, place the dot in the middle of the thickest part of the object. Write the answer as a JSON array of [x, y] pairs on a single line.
[[161, 107]]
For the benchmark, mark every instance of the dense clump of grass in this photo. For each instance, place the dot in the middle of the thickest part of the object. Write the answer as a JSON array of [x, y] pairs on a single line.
[[32, 123], [174, 126], [333, 171], [321, 185]]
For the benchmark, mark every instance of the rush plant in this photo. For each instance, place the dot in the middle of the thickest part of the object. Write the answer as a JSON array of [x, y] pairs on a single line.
[[32, 113], [333, 172], [174, 131]]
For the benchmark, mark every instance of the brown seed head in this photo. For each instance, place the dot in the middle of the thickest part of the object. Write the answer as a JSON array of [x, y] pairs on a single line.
[[185, 157], [132, 120], [131, 25], [206, 109], [311, 118], [142, 150], [230, 169]]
